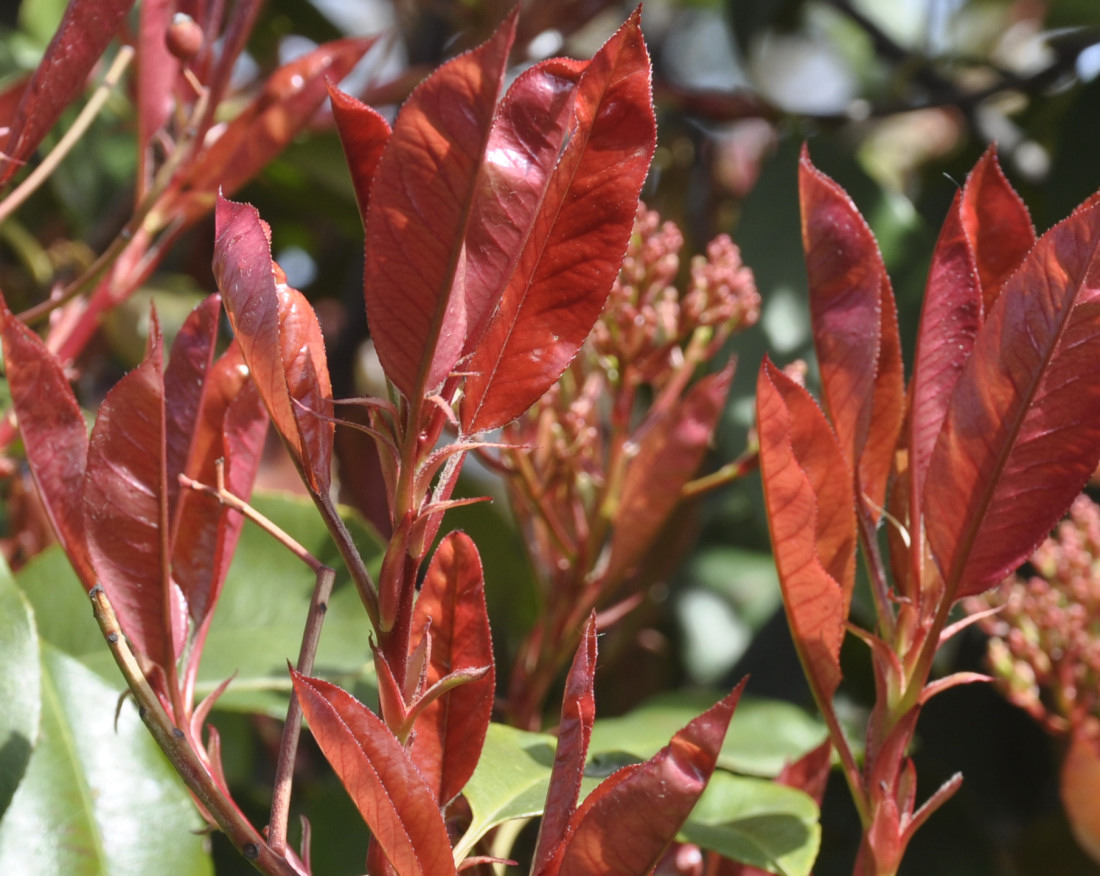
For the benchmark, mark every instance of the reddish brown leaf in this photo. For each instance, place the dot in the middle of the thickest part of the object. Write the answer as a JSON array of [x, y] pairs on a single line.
[[157, 69], [1079, 780], [578, 714], [389, 792], [364, 134], [997, 224], [126, 510], [669, 454], [855, 329], [231, 425], [55, 436], [624, 826], [84, 33], [450, 732], [419, 211], [279, 337], [1022, 432], [950, 318], [291, 97], [566, 161], [811, 517]]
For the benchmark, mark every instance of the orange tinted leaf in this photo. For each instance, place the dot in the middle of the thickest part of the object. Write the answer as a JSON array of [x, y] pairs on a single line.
[[1080, 779], [624, 826], [450, 732], [568, 155], [811, 517], [389, 792], [1022, 432]]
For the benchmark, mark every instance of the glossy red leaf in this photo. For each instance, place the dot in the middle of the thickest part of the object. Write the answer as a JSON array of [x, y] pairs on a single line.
[[1022, 433], [624, 826], [578, 714], [280, 338], [417, 306], [86, 29], [855, 329], [566, 161], [997, 224], [811, 517], [230, 426], [951, 315], [291, 97], [364, 134], [126, 510], [55, 435], [450, 732], [670, 452], [389, 792]]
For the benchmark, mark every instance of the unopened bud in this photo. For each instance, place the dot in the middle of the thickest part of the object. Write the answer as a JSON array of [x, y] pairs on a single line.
[[183, 37]]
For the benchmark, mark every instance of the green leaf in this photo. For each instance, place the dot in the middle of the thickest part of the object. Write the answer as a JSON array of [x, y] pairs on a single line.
[[763, 735], [96, 799], [253, 633], [19, 686], [510, 781], [757, 822]]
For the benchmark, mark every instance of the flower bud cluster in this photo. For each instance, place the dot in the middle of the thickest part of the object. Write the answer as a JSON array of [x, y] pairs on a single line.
[[1044, 647], [648, 322]]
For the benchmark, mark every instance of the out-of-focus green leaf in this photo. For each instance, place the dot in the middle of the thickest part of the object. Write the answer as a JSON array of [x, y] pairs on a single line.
[[757, 822], [258, 624], [19, 686], [762, 737], [96, 799]]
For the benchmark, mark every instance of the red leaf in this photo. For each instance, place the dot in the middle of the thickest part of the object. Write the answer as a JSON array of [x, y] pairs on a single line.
[[230, 426], [670, 452], [86, 29], [279, 337], [126, 511], [364, 134], [157, 69], [389, 792], [291, 97], [450, 732], [950, 318], [811, 517], [578, 714], [566, 161], [997, 225], [855, 329], [418, 216], [55, 436], [624, 826], [1022, 433]]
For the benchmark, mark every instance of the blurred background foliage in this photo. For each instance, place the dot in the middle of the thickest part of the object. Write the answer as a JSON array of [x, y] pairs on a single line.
[[896, 100]]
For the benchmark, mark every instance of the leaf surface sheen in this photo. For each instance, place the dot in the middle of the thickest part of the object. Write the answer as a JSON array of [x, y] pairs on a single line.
[[55, 435], [623, 827], [1022, 432], [811, 516], [567, 159], [855, 329], [578, 714], [388, 790], [451, 731], [418, 216], [126, 511], [86, 29], [280, 339]]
